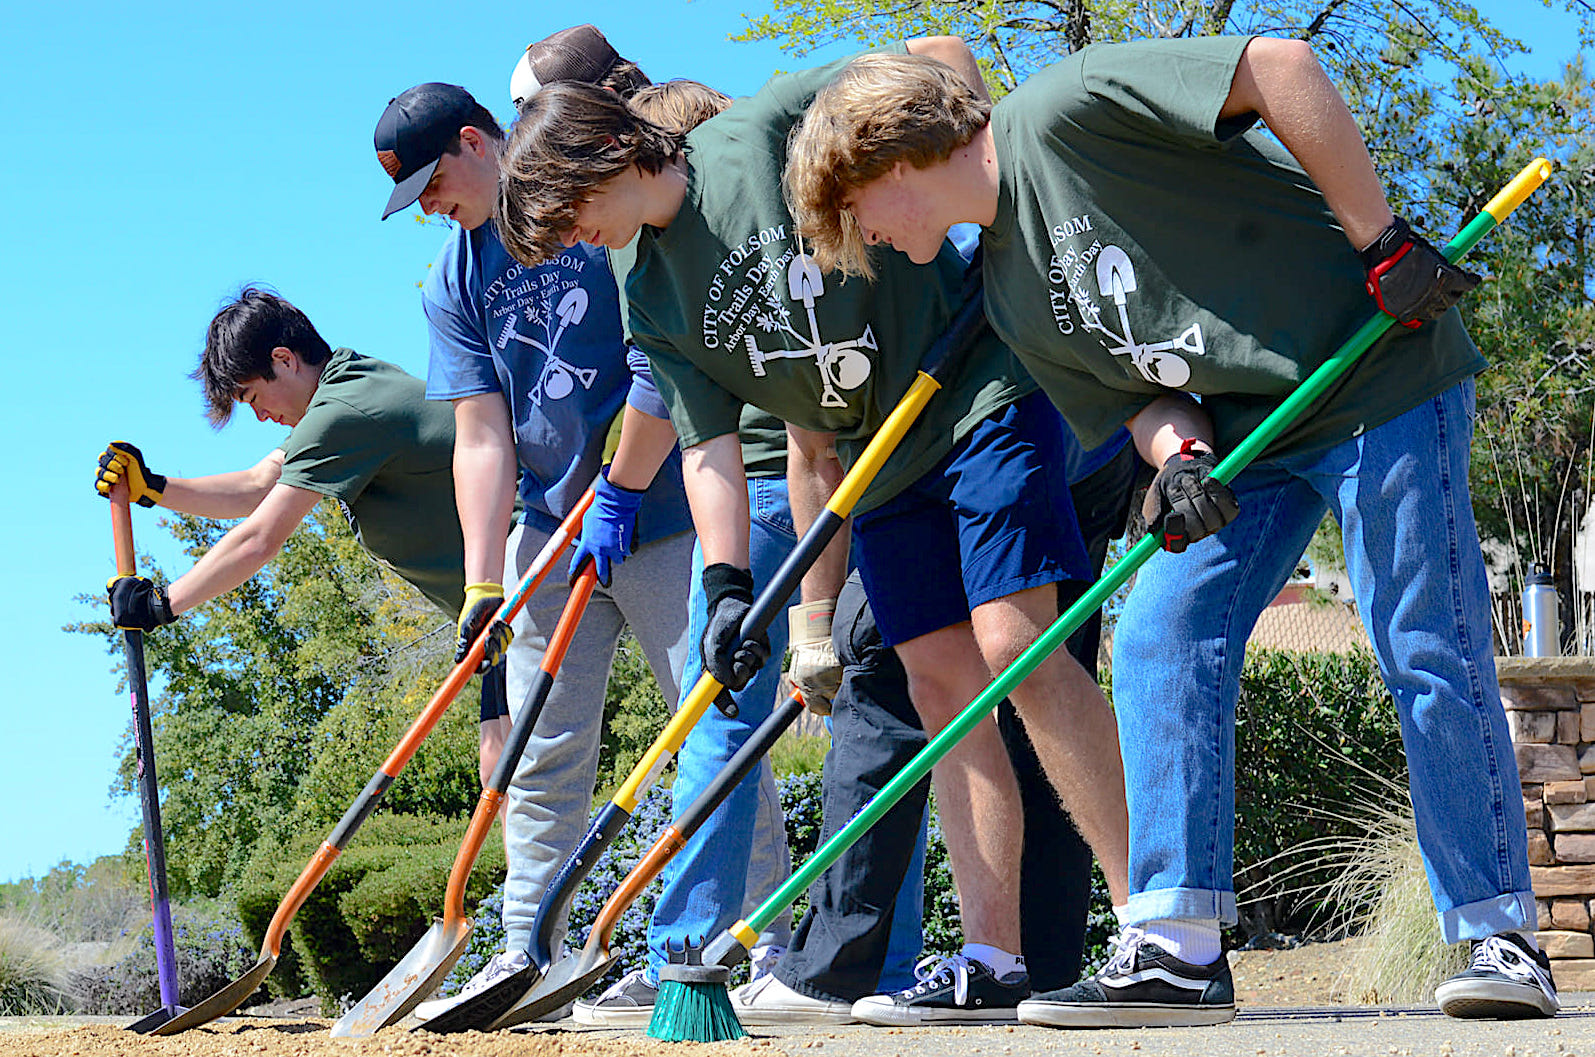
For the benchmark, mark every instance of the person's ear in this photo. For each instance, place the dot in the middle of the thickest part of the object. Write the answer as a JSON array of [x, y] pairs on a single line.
[[284, 359], [471, 137]]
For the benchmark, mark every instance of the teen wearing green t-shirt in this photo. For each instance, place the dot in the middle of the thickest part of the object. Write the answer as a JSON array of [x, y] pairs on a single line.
[[362, 433], [957, 541], [1158, 261]]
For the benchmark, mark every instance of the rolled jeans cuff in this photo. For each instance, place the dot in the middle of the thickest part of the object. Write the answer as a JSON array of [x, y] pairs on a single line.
[[1486, 917], [1186, 904]]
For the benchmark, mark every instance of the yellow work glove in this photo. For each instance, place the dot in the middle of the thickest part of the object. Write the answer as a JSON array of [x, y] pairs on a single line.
[[121, 460], [482, 601]]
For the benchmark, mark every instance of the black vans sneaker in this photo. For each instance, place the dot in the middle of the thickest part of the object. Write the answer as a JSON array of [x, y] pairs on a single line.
[[1504, 980], [955, 990], [1141, 986]]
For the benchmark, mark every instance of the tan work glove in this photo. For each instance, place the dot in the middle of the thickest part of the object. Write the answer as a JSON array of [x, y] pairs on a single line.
[[814, 669]]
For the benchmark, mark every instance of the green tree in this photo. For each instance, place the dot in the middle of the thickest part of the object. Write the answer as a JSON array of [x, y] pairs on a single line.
[[250, 687]]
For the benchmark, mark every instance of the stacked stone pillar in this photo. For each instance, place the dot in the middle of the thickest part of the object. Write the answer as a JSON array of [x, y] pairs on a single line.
[[1550, 708]]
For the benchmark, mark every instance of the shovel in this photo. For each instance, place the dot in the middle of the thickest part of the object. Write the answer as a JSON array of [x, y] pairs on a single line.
[[420, 971], [233, 995], [149, 793], [573, 976], [542, 986], [731, 946]]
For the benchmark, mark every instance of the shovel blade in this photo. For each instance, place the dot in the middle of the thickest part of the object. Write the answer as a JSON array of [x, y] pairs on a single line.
[[145, 1025], [486, 1006], [407, 983], [222, 1002], [566, 980]]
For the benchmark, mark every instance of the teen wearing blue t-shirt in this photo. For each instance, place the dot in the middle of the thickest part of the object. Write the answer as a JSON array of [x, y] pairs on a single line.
[[537, 369]]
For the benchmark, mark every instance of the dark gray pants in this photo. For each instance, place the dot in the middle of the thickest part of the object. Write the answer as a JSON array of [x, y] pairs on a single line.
[[839, 947]]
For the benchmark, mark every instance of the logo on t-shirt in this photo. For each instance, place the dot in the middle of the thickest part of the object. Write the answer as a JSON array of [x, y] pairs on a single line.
[[558, 378], [738, 312], [1160, 362]]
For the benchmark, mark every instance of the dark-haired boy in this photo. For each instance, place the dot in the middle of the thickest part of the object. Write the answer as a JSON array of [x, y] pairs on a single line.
[[1158, 263], [362, 433]]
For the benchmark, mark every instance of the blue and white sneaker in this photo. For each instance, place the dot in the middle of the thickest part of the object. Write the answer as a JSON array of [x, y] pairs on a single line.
[[1504, 980], [1142, 985]]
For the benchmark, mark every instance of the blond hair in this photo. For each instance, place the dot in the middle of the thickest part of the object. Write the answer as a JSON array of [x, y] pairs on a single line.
[[678, 106], [880, 109], [570, 140]]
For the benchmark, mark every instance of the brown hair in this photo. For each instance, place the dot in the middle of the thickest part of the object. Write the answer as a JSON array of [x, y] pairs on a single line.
[[678, 106], [880, 109], [571, 139]]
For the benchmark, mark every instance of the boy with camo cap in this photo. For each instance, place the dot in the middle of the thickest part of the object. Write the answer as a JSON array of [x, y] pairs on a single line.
[[1155, 260], [959, 541]]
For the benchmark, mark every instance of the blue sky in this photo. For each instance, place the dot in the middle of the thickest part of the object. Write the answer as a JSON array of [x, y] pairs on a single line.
[[216, 145]]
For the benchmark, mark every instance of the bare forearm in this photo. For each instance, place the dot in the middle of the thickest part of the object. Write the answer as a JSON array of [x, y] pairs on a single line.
[[717, 492], [645, 443], [813, 472], [1165, 424], [224, 495], [1284, 84], [955, 53], [245, 550], [484, 483]]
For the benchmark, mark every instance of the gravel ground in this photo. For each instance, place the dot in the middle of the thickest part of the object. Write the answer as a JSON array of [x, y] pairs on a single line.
[[1287, 998]]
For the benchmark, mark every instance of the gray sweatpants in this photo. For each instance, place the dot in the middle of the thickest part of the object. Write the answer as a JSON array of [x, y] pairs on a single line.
[[550, 798]]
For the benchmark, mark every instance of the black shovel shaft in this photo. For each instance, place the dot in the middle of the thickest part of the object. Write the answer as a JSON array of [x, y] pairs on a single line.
[[149, 796]]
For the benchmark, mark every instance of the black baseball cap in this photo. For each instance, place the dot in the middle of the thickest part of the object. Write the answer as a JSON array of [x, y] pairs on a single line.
[[413, 133]]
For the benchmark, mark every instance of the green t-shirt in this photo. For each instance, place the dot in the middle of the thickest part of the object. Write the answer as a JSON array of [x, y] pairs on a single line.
[[372, 440], [730, 312], [1141, 245]]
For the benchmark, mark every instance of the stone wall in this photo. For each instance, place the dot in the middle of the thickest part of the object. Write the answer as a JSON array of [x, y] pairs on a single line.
[[1550, 707]]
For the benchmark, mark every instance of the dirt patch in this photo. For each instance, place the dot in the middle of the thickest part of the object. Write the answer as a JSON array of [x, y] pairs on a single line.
[[309, 1038], [1308, 975]]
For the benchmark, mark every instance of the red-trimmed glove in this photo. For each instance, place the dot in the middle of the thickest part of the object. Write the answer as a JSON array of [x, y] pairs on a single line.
[[1411, 280], [1184, 503]]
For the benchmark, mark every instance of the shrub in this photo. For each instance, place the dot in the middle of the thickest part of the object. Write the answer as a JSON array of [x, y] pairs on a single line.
[[1307, 726], [211, 952], [373, 904], [31, 977]]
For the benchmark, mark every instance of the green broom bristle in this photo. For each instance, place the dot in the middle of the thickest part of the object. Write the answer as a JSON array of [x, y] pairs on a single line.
[[693, 1006]]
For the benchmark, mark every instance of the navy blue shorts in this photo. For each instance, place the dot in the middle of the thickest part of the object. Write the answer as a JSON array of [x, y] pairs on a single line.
[[495, 693], [991, 519]]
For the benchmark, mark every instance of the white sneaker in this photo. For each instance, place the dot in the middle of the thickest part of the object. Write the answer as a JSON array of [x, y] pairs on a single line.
[[764, 960], [767, 1001], [497, 968]]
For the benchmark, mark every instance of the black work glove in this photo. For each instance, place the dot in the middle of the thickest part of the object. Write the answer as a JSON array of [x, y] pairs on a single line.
[[732, 660], [482, 601], [138, 603], [1410, 279], [121, 460], [1185, 504]]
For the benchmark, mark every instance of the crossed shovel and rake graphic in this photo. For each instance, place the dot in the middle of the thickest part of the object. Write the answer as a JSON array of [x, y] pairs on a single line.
[[841, 363], [558, 377], [1158, 362]]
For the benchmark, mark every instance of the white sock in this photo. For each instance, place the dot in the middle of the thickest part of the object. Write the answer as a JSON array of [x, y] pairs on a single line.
[[1119, 910], [1188, 939], [999, 961]]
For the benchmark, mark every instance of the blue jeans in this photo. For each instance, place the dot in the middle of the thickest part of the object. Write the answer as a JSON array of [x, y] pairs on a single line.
[[710, 878], [1400, 493]]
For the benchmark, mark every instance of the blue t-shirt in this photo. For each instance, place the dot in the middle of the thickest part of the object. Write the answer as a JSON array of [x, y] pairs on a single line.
[[548, 338]]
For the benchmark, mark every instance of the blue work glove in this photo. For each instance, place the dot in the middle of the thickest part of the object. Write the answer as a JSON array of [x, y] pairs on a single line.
[[607, 529]]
